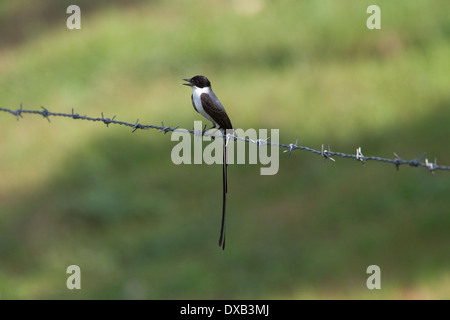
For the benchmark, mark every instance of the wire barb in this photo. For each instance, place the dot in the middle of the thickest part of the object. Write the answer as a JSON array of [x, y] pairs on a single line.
[[197, 133], [106, 121], [75, 115], [431, 165], [45, 113], [228, 137], [326, 153], [291, 146], [166, 129], [416, 162], [260, 142], [136, 126], [398, 161], [18, 112], [360, 156]]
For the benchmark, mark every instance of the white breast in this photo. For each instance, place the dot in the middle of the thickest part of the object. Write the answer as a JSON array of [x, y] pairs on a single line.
[[198, 101]]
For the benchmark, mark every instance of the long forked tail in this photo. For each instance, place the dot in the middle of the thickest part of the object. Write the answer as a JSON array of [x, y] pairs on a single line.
[[224, 193]]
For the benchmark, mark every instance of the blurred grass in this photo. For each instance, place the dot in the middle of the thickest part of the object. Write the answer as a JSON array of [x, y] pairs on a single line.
[[113, 203]]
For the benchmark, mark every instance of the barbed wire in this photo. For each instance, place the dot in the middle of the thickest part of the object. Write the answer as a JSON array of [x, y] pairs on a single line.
[[325, 153]]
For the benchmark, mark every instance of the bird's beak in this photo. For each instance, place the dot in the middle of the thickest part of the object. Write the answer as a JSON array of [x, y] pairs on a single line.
[[188, 82]]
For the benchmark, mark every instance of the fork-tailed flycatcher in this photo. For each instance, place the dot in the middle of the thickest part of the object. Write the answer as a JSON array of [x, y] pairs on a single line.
[[208, 105]]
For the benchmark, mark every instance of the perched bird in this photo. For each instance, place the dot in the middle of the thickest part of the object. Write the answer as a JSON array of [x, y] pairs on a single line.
[[208, 105]]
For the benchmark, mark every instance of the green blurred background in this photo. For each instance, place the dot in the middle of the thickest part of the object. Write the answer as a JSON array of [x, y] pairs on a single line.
[[113, 203]]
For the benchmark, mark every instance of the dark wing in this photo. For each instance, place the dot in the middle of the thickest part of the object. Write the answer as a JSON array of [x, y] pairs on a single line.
[[192, 99], [216, 113]]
